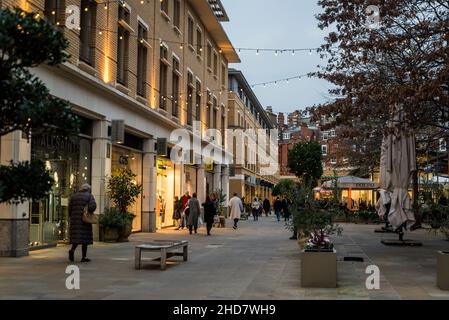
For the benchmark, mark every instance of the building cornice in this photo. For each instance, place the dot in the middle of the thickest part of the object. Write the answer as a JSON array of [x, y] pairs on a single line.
[[215, 29]]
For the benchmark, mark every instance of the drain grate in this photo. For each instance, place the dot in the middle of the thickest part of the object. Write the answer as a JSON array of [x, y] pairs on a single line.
[[353, 259]]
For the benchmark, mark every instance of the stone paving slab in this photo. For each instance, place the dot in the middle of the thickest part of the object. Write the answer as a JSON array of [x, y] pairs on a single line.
[[255, 262]]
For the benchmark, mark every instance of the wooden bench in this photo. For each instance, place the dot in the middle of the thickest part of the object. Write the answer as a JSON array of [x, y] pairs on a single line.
[[166, 248]]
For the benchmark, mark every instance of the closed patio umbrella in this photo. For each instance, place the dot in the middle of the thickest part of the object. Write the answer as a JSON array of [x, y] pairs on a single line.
[[398, 163], [401, 163]]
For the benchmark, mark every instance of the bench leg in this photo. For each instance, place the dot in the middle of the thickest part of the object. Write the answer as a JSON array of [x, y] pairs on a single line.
[[185, 251], [163, 259], [137, 258]]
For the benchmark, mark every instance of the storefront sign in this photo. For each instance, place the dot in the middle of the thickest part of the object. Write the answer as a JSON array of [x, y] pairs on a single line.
[[210, 165], [57, 144]]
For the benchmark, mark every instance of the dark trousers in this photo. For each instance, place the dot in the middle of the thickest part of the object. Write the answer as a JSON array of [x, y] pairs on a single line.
[[278, 215], [236, 221], [191, 228], [256, 214], [209, 226], [83, 249]]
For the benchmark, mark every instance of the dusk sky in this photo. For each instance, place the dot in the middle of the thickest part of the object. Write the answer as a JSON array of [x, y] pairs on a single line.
[[278, 24]]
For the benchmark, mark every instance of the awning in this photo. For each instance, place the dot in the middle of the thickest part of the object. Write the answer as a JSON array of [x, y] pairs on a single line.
[[351, 182]]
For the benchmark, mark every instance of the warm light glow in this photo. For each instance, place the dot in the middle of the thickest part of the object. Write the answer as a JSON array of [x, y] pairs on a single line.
[[24, 5]]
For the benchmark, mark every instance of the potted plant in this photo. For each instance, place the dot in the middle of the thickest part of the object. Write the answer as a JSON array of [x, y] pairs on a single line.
[[113, 222], [221, 207], [443, 270], [315, 223], [313, 220], [123, 191]]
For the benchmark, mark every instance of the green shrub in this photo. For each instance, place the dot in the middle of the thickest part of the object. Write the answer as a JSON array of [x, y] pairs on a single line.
[[113, 218]]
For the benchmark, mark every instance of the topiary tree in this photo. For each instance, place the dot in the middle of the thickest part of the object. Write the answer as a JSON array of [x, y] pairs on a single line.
[[27, 41], [305, 161], [123, 189], [285, 188], [312, 221]]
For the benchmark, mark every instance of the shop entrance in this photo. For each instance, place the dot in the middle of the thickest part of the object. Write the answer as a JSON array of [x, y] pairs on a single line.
[[69, 163], [165, 190]]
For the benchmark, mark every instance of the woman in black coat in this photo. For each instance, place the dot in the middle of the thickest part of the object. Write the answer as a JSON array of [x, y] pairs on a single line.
[[209, 213], [80, 232]]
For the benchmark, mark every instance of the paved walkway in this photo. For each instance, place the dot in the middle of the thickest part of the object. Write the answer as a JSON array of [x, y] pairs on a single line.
[[255, 262]]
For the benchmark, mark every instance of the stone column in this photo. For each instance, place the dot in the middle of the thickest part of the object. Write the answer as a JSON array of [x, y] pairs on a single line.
[[101, 167], [225, 182], [149, 187], [201, 180], [14, 219], [217, 178]]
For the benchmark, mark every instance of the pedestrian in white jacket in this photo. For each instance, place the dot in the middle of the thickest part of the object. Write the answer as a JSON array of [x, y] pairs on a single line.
[[255, 206], [236, 206]]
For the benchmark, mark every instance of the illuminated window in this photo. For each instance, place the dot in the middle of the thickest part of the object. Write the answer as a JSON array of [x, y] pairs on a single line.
[[87, 32]]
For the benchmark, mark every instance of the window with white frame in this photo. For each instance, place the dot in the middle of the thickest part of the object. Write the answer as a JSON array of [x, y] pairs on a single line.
[[164, 6], [324, 149], [443, 145], [177, 13], [199, 41], [209, 56], [190, 32]]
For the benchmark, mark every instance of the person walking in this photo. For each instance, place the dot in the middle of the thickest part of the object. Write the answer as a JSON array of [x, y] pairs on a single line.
[[177, 212], [267, 207], [194, 214], [255, 209], [278, 208], [79, 231], [185, 213], [285, 209], [210, 211], [236, 206]]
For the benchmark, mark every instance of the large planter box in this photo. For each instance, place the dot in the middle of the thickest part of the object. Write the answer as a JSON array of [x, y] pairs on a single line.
[[443, 270], [319, 269]]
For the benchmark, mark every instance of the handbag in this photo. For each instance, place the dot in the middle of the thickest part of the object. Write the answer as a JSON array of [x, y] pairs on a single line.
[[89, 217]]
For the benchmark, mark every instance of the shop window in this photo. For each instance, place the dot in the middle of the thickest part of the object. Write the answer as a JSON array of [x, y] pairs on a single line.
[[69, 164]]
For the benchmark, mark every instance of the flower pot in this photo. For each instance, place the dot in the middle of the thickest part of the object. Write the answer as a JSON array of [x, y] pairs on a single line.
[[110, 235], [302, 241], [443, 270], [124, 233], [319, 269]]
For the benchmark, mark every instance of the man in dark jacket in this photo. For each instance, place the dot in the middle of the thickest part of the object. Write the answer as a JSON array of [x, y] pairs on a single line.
[[278, 208], [285, 209], [80, 232], [267, 207], [209, 213]]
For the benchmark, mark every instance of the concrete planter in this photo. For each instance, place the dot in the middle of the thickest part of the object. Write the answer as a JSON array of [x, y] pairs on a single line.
[[319, 269], [443, 270]]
